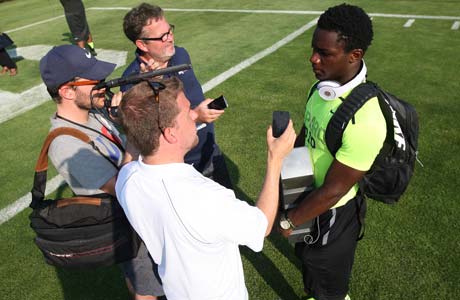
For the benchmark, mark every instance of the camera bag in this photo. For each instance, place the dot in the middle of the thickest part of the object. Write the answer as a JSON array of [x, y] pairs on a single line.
[[82, 231]]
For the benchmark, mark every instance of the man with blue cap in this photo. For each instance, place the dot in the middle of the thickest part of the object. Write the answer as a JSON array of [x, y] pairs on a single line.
[[70, 74]]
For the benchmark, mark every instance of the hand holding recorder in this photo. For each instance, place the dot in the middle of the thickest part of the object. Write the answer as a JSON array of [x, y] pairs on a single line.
[[281, 135]]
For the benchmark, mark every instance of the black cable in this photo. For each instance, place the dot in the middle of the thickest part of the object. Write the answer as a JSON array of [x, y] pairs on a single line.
[[119, 146]]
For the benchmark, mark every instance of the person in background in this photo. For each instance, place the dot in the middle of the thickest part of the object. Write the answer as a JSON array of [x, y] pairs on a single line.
[[147, 27], [76, 19], [7, 64]]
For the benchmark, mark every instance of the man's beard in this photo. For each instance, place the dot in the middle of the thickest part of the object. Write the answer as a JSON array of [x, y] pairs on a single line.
[[167, 55], [84, 103]]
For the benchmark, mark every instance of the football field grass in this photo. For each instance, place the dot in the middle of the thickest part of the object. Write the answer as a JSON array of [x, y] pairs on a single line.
[[261, 50]]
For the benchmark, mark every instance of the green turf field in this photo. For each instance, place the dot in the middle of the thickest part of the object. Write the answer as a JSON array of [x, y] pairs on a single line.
[[410, 251]]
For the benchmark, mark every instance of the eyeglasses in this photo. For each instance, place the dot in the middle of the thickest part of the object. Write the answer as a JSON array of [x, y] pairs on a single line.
[[164, 37], [81, 83]]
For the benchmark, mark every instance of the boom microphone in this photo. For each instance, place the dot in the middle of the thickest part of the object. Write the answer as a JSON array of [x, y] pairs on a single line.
[[135, 78]]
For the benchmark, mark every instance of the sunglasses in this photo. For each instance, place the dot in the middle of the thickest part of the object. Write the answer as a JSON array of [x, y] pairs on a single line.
[[82, 83], [156, 88]]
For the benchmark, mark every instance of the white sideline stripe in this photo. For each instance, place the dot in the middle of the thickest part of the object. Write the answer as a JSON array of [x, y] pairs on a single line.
[[409, 23], [20, 204], [36, 23], [456, 25], [23, 202], [12, 105], [297, 12], [248, 62], [248, 11], [293, 12], [399, 16]]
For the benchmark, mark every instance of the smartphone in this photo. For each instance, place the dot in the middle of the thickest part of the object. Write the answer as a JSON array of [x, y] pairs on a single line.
[[280, 122], [219, 103]]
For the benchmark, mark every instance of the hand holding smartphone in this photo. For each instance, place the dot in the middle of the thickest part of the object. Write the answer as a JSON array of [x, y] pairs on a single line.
[[219, 103]]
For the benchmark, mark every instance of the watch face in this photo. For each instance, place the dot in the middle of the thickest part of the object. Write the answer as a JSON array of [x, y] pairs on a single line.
[[284, 224]]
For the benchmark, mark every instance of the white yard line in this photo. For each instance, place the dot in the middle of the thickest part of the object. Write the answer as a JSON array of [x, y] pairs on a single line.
[[456, 25], [12, 104], [248, 62], [23, 202], [399, 16], [34, 24], [292, 12], [257, 11]]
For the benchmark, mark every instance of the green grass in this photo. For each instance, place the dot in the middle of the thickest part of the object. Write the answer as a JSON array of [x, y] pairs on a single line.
[[410, 250]]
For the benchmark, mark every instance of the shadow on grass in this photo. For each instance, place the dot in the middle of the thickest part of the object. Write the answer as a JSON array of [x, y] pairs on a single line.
[[260, 261], [101, 283]]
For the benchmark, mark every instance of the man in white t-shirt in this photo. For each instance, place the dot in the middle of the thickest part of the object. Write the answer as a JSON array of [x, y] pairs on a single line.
[[191, 225]]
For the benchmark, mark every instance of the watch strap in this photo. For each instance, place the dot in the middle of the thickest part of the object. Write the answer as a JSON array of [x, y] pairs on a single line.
[[288, 220]]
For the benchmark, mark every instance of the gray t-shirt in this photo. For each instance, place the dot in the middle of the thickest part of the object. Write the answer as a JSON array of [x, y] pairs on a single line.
[[83, 168]]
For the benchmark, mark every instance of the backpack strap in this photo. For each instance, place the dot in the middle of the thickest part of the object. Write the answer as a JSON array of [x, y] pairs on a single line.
[[360, 198], [312, 90], [336, 126], [345, 112], [300, 140], [41, 168]]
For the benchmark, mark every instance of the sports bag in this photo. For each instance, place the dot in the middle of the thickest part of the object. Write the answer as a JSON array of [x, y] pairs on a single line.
[[393, 167], [82, 231]]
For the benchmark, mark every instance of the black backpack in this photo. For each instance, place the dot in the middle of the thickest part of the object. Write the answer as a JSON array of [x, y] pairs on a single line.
[[393, 167], [83, 231]]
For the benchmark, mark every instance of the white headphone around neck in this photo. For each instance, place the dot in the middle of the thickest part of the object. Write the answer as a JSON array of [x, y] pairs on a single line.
[[330, 90]]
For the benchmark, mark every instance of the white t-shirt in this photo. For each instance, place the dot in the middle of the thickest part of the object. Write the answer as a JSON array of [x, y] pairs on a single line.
[[192, 227]]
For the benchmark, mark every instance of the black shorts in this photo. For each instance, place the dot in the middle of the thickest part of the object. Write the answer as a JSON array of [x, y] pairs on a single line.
[[142, 273], [327, 263]]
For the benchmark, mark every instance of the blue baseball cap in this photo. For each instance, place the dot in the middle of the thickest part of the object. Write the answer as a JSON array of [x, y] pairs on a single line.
[[63, 63]]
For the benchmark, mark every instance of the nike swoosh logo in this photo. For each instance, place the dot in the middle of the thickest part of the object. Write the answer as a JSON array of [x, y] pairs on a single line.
[[88, 55]]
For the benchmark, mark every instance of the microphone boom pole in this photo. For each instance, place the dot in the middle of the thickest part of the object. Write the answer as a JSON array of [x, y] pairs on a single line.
[[131, 79]]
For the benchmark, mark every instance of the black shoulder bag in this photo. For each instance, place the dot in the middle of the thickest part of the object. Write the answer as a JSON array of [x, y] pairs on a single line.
[[82, 231]]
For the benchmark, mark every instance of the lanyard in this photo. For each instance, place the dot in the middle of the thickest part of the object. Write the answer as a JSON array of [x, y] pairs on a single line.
[[105, 132]]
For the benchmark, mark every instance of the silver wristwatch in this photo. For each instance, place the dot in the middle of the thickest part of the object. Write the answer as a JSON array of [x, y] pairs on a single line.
[[285, 222]]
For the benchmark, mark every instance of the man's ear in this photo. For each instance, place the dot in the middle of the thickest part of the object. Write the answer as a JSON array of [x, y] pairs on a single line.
[[356, 55], [169, 135], [67, 92], [141, 45]]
